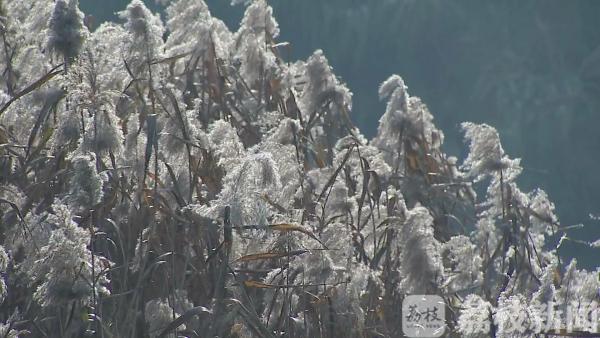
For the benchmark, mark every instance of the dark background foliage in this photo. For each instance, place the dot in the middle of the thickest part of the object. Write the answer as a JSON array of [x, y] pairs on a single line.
[[529, 68]]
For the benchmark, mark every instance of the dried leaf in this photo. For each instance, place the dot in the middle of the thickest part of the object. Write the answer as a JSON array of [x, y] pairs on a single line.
[[270, 255]]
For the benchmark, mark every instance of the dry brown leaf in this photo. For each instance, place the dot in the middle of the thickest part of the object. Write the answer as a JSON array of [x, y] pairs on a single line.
[[258, 285], [270, 255]]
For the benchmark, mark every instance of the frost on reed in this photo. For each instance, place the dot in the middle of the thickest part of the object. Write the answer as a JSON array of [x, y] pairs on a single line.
[[181, 179]]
